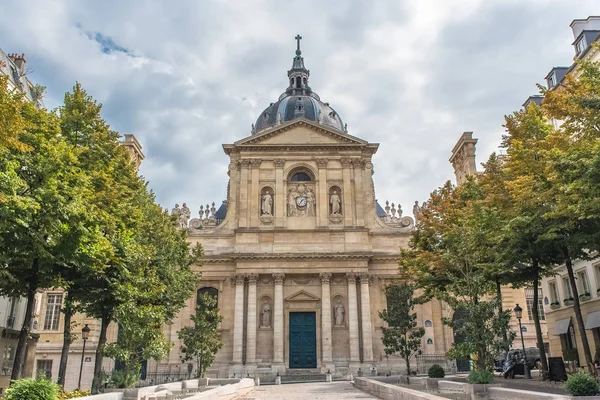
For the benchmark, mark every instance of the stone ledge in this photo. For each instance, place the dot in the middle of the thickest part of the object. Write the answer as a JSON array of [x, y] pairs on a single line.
[[392, 392]]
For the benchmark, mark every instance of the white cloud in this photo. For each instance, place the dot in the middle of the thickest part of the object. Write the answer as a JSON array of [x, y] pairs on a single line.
[[410, 75]]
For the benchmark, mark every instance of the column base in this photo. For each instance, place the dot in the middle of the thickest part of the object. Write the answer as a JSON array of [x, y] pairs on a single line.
[[237, 371], [329, 366], [278, 368]]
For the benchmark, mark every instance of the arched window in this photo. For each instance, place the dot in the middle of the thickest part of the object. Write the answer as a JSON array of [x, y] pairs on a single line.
[[429, 341], [298, 82], [301, 177], [427, 324], [211, 291]]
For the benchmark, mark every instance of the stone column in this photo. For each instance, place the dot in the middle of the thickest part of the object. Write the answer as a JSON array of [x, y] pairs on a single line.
[[243, 200], [251, 321], [254, 199], [348, 201], [278, 334], [326, 344], [367, 330], [353, 319], [238, 322], [280, 195], [323, 195]]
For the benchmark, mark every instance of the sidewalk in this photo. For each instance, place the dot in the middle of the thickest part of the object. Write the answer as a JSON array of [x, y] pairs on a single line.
[[307, 391]]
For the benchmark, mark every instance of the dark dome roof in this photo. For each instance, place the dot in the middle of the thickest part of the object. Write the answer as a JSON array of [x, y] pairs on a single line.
[[298, 101], [291, 107]]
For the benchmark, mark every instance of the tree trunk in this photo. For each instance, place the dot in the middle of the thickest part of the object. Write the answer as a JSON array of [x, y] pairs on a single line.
[[407, 359], [577, 308], [499, 297], [64, 355], [105, 320], [25, 329], [536, 319]]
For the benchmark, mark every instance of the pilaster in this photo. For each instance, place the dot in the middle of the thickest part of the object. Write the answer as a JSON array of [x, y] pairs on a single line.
[[251, 321], [278, 334], [359, 191], [353, 320], [243, 206], [254, 199], [367, 330], [349, 210], [323, 204], [238, 322], [280, 207], [326, 342]]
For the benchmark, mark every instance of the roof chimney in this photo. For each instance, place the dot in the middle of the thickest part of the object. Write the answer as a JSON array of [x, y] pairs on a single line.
[[19, 61]]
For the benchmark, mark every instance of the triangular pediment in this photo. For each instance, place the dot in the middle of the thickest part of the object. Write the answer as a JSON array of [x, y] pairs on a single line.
[[301, 132], [302, 296]]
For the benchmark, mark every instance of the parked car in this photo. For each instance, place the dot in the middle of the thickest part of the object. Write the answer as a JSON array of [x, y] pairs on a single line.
[[533, 358]]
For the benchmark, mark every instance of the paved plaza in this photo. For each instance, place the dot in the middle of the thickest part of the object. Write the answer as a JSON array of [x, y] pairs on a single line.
[[307, 391]]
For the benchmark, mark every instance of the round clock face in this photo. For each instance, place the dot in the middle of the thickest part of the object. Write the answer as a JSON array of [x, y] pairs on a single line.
[[301, 201]]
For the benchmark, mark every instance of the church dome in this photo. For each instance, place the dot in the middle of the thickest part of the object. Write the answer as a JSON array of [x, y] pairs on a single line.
[[298, 101]]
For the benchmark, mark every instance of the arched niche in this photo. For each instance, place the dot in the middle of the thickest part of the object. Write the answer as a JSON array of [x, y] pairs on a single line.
[[267, 202], [335, 201], [265, 312], [300, 192], [339, 311], [428, 324]]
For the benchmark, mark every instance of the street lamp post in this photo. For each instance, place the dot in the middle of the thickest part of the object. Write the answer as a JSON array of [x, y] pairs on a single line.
[[519, 314], [85, 333]]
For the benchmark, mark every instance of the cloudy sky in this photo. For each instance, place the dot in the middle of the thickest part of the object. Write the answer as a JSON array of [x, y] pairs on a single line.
[[187, 76]]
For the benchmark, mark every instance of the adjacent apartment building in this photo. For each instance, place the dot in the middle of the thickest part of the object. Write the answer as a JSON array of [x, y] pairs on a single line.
[[558, 299]]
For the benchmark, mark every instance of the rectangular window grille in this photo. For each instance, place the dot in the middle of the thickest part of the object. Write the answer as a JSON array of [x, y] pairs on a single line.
[[584, 285], [44, 368], [553, 292], [52, 317], [567, 289], [529, 297]]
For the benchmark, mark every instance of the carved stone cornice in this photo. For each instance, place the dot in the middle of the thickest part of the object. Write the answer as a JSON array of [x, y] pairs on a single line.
[[325, 277], [322, 162], [279, 162], [255, 162], [252, 279], [278, 278], [351, 278]]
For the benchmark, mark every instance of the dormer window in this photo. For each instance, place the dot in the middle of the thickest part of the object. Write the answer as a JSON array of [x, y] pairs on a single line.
[[298, 82], [581, 45], [552, 80]]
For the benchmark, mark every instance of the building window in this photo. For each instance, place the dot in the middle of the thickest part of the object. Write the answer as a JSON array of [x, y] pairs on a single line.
[[553, 292], [582, 283], [301, 177], [44, 368], [8, 359], [581, 45], [552, 80], [529, 298], [211, 291], [567, 288], [52, 317], [597, 273], [427, 324]]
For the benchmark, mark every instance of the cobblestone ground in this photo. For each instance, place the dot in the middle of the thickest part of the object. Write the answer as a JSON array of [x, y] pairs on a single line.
[[307, 391]]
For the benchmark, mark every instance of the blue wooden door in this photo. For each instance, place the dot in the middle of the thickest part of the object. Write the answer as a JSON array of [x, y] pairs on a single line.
[[303, 340]]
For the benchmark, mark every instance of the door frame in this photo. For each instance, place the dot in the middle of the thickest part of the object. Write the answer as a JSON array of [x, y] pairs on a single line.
[[317, 363], [286, 343]]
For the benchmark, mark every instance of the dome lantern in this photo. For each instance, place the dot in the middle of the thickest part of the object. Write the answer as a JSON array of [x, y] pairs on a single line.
[[298, 101]]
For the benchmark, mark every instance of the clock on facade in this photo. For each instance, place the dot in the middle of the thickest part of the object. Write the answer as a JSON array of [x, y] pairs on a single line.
[[301, 201]]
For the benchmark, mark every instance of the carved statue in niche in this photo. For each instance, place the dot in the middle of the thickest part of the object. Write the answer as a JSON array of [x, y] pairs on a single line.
[[267, 204], [265, 315], [338, 312], [335, 202], [301, 201]]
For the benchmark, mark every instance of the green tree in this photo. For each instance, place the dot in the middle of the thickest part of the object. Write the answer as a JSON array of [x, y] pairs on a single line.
[[12, 120], [43, 216], [401, 336], [201, 341], [450, 256]]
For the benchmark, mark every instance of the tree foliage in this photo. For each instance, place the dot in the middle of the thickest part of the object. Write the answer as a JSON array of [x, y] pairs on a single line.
[[401, 336], [201, 341]]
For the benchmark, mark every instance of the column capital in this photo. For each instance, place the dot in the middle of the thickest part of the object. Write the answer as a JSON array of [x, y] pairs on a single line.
[[322, 162], [278, 278], [325, 277], [255, 162], [365, 278], [346, 162], [351, 277], [238, 279], [244, 163], [279, 162], [252, 279]]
